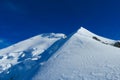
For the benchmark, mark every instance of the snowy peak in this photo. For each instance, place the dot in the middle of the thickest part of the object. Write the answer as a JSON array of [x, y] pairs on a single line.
[[41, 40], [80, 56], [28, 50], [85, 32], [82, 29], [53, 35]]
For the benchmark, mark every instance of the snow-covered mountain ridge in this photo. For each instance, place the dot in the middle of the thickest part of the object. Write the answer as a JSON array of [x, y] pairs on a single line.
[[80, 56], [25, 52]]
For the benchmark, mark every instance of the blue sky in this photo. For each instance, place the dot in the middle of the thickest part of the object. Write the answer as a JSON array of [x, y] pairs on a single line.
[[21, 19]]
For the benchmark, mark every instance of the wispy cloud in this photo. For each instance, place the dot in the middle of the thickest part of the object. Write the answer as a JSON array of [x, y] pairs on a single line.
[[11, 6], [14, 7], [4, 43]]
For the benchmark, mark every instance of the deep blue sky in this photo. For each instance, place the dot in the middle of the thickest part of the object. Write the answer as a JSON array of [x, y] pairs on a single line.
[[21, 19]]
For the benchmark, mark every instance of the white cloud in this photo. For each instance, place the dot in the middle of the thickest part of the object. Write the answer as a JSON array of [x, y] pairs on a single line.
[[4, 43]]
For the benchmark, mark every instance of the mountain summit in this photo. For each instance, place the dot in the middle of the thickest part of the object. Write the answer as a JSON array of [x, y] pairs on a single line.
[[80, 56]]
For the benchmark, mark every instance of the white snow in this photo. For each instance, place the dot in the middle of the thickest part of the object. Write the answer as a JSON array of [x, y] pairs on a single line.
[[81, 56], [85, 32], [25, 52]]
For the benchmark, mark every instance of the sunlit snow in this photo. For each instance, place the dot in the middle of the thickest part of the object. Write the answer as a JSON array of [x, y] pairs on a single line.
[[80, 56]]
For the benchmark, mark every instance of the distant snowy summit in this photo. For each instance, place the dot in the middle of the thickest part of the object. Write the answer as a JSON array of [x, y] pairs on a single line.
[[55, 56], [85, 32]]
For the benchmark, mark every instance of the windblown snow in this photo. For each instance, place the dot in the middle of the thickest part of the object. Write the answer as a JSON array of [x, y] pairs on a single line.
[[80, 56]]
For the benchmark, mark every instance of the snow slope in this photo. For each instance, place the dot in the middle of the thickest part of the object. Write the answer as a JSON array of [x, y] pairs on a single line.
[[21, 57], [82, 58]]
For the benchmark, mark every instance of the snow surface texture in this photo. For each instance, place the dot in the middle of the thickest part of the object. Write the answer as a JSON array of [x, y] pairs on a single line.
[[21, 57], [80, 56]]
